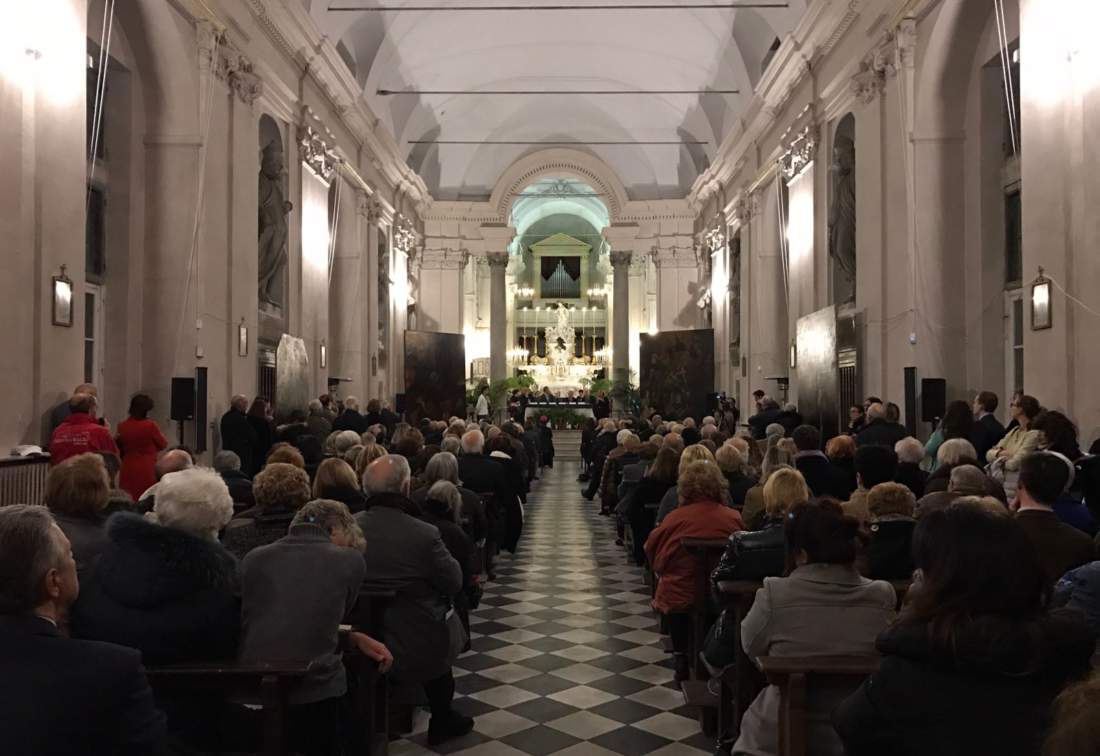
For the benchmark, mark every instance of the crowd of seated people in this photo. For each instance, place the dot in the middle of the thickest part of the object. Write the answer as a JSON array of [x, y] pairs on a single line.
[[263, 557], [831, 531]]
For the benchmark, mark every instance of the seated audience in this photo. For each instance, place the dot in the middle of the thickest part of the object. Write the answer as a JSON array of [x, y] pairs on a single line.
[[280, 490], [822, 608], [910, 454], [874, 464], [442, 508], [295, 593], [671, 499], [733, 466], [1079, 589], [965, 480], [957, 422], [781, 490], [1043, 478], [889, 553], [880, 430], [284, 454], [139, 440], [336, 481], [987, 429], [77, 492], [1021, 440], [61, 696], [80, 432], [626, 453], [841, 451], [471, 515], [658, 479], [228, 465], [408, 556], [760, 551], [976, 658], [701, 514], [163, 584], [955, 452], [814, 465]]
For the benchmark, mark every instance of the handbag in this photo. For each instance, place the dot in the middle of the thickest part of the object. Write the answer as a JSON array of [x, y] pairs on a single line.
[[457, 635], [720, 645]]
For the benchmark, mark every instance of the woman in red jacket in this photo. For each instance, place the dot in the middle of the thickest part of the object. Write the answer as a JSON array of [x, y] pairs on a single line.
[[701, 515], [139, 440]]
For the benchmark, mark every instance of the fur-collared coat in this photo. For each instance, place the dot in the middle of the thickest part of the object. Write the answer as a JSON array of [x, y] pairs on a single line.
[[169, 594]]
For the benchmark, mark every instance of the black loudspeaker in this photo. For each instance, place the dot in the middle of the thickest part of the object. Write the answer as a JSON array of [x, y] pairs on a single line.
[[933, 399], [200, 410], [911, 400], [183, 399]]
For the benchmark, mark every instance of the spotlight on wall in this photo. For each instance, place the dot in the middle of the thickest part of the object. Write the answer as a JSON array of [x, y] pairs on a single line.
[[242, 339], [1040, 302], [794, 355], [62, 295], [324, 354]]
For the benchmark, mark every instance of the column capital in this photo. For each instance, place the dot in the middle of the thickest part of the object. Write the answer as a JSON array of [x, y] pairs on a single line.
[[497, 259], [620, 258]]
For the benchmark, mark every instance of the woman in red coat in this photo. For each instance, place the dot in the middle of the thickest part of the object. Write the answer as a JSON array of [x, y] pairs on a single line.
[[701, 514], [139, 440]]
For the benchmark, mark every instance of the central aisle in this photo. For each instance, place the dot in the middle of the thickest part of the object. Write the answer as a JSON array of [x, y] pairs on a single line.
[[565, 657]]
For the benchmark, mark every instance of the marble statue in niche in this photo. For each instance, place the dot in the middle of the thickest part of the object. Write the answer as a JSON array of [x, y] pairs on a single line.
[[842, 219], [273, 211]]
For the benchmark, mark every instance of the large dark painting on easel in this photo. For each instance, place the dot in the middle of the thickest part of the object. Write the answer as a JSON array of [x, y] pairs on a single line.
[[435, 375], [677, 372], [816, 373]]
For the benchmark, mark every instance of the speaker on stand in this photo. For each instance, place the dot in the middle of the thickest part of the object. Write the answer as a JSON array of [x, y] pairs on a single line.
[[183, 402]]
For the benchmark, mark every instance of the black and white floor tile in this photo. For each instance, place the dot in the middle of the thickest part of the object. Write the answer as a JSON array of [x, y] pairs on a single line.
[[565, 655]]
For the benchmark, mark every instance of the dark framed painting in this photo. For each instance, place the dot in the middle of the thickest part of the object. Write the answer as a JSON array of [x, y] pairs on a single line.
[[435, 375], [676, 375]]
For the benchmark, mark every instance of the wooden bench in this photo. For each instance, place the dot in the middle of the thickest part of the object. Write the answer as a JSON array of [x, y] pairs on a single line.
[[707, 553], [266, 683], [368, 690], [742, 681], [794, 676]]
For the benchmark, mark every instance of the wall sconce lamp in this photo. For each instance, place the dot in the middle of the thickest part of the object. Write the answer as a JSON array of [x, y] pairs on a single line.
[[1040, 302], [525, 292], [242, 339], [794, 355], [324, 354], [62, 295]]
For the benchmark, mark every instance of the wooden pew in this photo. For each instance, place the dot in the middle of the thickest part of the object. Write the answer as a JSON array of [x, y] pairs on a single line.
[[742, 681], [267, 683], [368, 691], [707, 553], [794, 676]]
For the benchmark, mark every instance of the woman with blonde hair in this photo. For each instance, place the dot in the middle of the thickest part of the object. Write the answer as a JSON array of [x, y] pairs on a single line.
[[701, 514], [671, 499], [336, 480], [785, 489]]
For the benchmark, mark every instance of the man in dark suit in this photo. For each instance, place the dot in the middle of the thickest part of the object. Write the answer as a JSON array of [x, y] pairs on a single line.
[[407, 555], [238, 435], [350, 419], [61, 696], [987, 431], [483, 475], [1043, 478], [601, 447], [769, 413], [822, 478], [879, 431]]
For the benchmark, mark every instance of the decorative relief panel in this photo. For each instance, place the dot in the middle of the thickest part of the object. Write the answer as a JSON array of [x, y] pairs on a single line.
[[316, 154]]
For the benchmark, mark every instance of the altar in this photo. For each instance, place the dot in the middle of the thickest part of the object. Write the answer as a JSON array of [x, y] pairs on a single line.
[[561, 370]]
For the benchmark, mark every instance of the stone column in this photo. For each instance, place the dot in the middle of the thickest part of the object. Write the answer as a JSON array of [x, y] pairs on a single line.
[[620, 354], [498, 316]]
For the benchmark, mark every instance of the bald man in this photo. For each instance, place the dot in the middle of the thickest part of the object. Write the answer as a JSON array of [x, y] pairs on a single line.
[[171, 460]]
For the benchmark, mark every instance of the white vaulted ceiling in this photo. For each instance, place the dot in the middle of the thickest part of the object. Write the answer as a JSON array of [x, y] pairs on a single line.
[[621, 49]]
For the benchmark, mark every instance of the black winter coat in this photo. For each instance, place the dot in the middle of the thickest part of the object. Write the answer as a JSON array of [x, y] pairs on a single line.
[[890, 551], [239, 437], [754, 554], [881, 433], [169, 594], [991, 697], [822, 478]]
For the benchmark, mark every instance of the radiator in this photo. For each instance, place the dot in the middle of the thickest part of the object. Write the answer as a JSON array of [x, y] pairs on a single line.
[[23, 479]]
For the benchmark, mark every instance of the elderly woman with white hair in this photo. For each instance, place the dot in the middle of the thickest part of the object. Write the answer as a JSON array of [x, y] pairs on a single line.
[[470, 511], [910, 453], [163, 584]]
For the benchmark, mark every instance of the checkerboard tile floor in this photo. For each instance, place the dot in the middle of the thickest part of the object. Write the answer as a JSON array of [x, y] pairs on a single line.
[[565, 658]]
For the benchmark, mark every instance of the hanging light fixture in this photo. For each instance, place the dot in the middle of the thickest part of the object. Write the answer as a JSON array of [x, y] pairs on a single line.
[[1040, 302]]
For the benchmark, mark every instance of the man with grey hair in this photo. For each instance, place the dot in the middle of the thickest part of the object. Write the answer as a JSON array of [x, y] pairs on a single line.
[[317, 422], [879, 430], [351, 419], [237, 433], [407, 555], [601, 447], [451, 444], [228, 465], [769, 413], [964, 480], [58, 693], [487, 478]]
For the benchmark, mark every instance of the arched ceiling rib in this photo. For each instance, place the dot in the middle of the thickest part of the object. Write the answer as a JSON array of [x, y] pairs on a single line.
[[696, 50]]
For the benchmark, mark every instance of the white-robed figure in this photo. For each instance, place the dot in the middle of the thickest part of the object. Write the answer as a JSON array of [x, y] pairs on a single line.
[[482, 410]]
